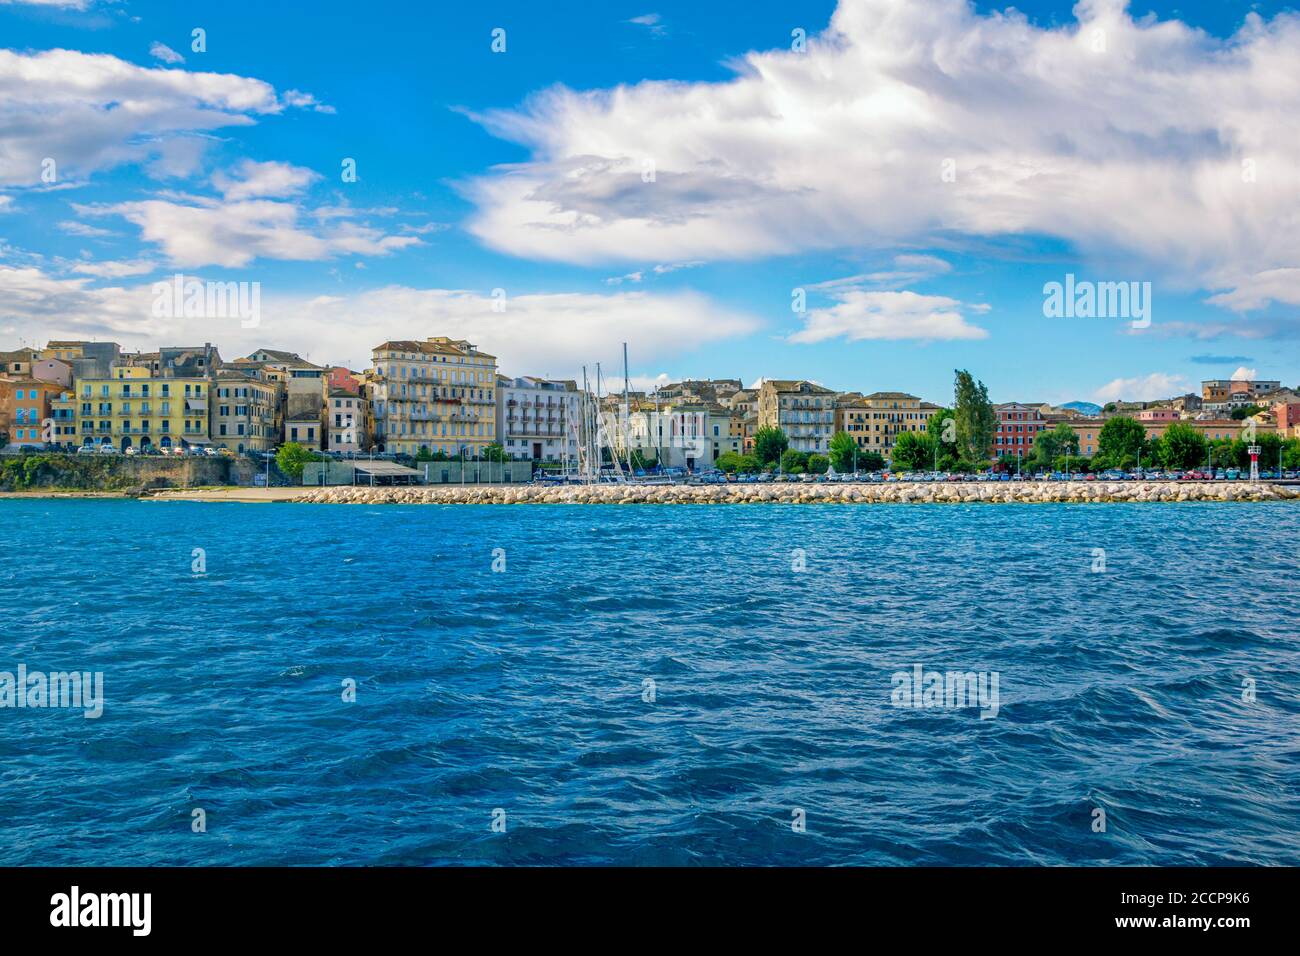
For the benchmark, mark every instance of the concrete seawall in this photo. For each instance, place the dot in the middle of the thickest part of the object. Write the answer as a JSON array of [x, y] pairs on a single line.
[[831, 493]]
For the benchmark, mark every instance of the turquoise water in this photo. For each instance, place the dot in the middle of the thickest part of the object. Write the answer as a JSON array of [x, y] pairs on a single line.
[[524, 690]]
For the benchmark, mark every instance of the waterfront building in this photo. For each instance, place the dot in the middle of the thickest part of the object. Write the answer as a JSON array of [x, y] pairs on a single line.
[[242, 410], [875, 421], [538, 418], [438, 395], [345, 421], [24, 408], [1017, 427], [157, 399], [675, 435], [1089, 431], [804, 410]]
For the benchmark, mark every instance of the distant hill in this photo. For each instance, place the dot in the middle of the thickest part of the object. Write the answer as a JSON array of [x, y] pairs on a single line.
[[1087, 408]]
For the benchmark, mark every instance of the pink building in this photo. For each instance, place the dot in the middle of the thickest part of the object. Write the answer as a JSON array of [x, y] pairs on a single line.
[[1287, 415], [1158, 415]]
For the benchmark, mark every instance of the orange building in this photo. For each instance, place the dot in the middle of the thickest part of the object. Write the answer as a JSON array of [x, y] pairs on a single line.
[[1089, 430], [24, 407]]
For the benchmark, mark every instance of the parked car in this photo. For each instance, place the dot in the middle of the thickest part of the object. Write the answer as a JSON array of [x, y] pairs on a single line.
[[86, 450], [107, 449]]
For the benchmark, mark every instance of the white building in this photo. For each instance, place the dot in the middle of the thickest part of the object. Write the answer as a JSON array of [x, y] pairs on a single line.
[[538, 418]]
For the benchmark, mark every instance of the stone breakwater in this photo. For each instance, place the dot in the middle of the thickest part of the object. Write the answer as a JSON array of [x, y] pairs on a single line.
[[831, 493]]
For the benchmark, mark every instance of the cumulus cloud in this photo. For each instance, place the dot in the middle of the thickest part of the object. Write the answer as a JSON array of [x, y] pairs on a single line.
[[116, 270], [161, 51], [1148, 142], [551, 334], [1244, 374], [200, 231], [862, 314], [94, 111], [1143, 388], [251, 180]]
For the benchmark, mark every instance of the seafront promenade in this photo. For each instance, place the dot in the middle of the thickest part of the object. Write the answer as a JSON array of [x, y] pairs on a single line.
[[1029, 492]]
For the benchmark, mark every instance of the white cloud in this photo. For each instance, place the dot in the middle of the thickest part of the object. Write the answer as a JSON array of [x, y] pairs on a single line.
[[1244, 374], [93, 111], [1132, 153], [1144, 388], [252, 180], [301, 100], [652, 22], [861, 314], [161, 51], [116, 270], [550, 334], [201, 232], [74, 228], [6, 204]]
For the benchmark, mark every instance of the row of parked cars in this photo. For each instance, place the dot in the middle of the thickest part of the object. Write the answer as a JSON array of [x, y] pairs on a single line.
[[193, 451]]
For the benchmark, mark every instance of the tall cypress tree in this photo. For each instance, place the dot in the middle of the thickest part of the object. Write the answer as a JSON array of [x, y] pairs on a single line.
[[976, 422]]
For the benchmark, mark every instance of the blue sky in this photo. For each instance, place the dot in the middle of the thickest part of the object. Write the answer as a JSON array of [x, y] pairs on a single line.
[[1103, 141]]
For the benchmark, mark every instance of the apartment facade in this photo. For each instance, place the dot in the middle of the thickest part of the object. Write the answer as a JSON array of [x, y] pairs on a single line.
[[25, 407], [436, 395], [137, 408], [803, 410], [345, 422], [875, 421], [538, 418], [1018, 425], [1089, 431], [243, 413]]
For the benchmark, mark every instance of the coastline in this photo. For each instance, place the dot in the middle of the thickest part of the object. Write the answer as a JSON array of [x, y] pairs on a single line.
[[839, 493]]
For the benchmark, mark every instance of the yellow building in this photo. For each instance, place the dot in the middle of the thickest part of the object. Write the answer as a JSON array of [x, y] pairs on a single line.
[[137, 407], [243, 412], [805, 411], [875, 421], [438, 395]]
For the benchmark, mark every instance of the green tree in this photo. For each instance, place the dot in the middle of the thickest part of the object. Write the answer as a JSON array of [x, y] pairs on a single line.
[[871, 461], [794, 462], [818, 464], [1246, 411], [1120, 441], [770, 444], [1291, 453], [976, 421], [843, 450], [1181, 447], [1053, 444], [494, 452], [730, 462], [913, 451], [292, 457], [937, 428]]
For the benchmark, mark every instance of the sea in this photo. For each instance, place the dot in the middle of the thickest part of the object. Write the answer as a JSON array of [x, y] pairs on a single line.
[[765, 685]]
